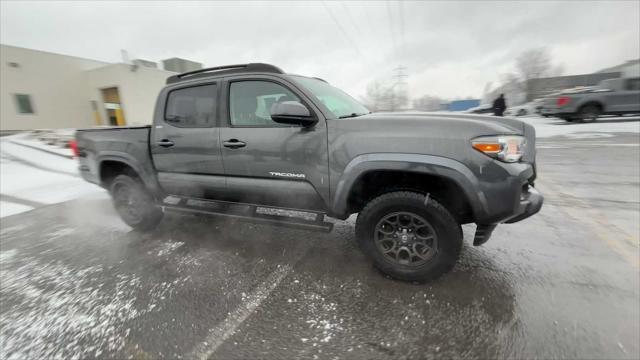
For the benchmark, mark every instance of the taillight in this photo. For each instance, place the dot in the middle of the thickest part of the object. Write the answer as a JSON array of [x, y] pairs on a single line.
[[74, 148], [563, 100]]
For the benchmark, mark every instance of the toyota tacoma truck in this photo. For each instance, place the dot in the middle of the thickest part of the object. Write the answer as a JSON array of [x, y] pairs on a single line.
[[252, 142], [618, 96]]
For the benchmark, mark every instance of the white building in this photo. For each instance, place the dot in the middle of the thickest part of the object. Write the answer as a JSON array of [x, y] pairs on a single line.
[[42, 90]]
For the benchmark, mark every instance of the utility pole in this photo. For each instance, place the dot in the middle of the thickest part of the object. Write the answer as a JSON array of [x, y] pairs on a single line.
[[400, 87]]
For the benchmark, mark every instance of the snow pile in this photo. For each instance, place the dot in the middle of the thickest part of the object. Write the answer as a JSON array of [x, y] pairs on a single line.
[[29, 140], [548, 127], [30, 178]]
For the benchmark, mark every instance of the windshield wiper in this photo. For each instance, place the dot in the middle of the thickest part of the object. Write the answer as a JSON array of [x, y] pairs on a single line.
[[351, 115]]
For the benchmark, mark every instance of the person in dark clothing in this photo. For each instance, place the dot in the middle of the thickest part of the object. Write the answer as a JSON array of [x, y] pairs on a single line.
[[499, 105]]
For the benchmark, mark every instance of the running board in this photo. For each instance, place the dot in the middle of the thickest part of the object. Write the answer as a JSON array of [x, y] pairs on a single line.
[[285, 217]]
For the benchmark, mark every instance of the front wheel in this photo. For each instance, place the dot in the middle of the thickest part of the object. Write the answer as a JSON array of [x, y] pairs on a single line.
[[134, 204], [409, 236]]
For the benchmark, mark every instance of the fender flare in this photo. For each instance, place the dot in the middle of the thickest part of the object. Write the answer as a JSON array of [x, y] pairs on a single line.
[[147, 177], [591, 102], [417, 163]]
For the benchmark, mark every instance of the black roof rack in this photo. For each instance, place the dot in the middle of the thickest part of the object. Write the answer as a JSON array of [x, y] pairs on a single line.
[[252, 67]]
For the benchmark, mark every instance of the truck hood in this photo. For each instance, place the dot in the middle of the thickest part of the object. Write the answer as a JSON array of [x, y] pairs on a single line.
[[488, 125], [440, 134]]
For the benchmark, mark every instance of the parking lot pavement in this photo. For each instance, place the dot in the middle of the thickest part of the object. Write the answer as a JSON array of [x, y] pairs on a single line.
[[76, 282]]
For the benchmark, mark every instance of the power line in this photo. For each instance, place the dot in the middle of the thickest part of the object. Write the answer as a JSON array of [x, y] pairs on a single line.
[[403, 41], [352, 19], [344, 32], [391, 31]]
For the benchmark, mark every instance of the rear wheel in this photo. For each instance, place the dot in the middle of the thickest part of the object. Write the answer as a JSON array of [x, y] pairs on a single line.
[[407, 238], [134, 204], [589, 113]]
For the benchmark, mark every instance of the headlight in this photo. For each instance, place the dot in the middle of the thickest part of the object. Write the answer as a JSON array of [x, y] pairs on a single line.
[[507, 148]]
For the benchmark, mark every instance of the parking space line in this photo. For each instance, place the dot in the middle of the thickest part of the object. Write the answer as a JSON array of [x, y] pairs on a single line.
[[219, 334], [598, 223]]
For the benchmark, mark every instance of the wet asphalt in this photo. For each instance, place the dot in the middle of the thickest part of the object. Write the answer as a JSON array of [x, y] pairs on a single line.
[[77, 283]]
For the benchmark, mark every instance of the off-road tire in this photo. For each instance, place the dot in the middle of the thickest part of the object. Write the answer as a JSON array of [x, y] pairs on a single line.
[[447, 230], [589, 113], [138, 209]]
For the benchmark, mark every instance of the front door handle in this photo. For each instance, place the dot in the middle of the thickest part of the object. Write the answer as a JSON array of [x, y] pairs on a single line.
[[234, 144], [165, 143]]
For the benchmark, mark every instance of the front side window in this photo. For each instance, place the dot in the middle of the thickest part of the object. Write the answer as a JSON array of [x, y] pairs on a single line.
[[337, 101], [23, 103], [193, 107], [250, 102]]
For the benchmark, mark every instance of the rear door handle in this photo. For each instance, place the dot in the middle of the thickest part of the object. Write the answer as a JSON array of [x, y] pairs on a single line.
[[234, 144], [165, 143]]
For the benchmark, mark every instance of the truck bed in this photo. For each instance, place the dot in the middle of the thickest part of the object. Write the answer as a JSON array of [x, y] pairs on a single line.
[[126, 144]]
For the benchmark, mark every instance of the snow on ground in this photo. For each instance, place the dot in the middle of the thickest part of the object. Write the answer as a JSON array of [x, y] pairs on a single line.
[[38, 158], [548, 127], [9, 208], [30, 178], [29, 140]]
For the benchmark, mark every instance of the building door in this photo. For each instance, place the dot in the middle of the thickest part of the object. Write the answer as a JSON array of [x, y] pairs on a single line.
[[112, 106]]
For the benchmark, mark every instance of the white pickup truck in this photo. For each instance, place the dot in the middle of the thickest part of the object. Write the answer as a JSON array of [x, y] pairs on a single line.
[[611, 97]]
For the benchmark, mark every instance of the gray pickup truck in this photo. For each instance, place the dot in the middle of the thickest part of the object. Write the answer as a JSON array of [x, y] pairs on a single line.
[[611, 97], [252, 142]]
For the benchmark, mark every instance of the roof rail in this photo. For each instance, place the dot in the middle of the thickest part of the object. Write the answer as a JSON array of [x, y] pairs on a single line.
[[252, 67]]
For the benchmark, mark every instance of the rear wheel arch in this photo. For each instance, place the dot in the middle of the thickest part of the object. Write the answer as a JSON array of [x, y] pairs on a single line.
[[596, 104], [109, 169]]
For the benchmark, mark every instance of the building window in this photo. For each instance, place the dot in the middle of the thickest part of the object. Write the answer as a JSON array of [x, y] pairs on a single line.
[[23, 102]]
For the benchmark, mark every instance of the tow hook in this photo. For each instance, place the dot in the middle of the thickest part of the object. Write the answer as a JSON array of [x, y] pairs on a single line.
[[483, 233]]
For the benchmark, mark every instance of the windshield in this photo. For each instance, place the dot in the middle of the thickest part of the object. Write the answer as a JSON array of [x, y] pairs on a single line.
[[337, 101]]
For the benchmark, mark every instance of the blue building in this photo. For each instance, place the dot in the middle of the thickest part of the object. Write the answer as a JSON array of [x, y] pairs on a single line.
[[462, 105]]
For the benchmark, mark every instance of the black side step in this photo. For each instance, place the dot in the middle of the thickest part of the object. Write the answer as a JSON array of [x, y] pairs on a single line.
[[285, 217]]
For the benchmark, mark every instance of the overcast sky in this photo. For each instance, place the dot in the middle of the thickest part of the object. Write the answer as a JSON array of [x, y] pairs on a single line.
[[450, 49]]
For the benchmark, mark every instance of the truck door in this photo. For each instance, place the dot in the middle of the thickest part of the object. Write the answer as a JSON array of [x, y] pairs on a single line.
[[185, 142], [625, 96], [630, 101], [269, 163]]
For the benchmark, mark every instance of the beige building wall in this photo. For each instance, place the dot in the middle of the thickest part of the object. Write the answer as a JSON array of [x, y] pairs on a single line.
[[55, 83], [62, 88], [138, 87]]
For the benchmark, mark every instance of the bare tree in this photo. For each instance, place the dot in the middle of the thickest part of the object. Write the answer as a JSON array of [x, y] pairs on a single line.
[[533, 64], [382, 98], [428, 103]]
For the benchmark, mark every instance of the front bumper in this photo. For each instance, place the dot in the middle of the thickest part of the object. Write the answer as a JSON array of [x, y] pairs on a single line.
[[530, 203]]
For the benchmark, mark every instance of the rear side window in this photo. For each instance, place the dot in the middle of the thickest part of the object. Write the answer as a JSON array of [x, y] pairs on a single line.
[[633, 84], [193, 107]]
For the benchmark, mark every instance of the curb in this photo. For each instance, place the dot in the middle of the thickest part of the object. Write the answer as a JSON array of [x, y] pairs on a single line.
[[41, 149]]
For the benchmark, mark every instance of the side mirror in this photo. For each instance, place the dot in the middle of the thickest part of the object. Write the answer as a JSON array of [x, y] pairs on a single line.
[[292, 113]]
